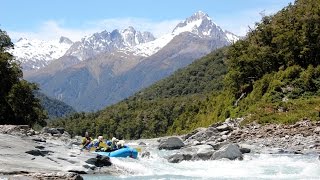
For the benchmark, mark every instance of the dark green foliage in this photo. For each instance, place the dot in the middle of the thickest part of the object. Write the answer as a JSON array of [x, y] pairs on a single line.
[[54, 107], [17, 102]]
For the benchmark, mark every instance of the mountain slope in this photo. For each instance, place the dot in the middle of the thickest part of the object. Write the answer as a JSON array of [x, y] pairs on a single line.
[[117, 69], [153, 110]]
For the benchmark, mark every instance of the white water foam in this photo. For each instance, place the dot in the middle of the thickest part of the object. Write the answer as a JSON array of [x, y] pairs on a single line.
[[254, 166]]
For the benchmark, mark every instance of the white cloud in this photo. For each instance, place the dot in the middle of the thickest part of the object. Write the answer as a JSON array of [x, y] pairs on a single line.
[[53, 30]]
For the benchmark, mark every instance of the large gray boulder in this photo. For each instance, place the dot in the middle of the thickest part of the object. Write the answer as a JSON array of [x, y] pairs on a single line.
[[230, 151], [171, 143]]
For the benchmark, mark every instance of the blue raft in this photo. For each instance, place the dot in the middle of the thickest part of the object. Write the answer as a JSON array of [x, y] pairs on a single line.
[[123, 152]]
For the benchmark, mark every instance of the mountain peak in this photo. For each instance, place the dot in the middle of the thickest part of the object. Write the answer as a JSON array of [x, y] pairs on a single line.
[[199, 15], [65, 40], [200, 24]]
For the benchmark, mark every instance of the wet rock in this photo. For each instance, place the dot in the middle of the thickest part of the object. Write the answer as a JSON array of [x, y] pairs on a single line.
[[99, 161], [171, 143], [230, 151], [176, 158], [145, 154], [142, 144], [244, 150]]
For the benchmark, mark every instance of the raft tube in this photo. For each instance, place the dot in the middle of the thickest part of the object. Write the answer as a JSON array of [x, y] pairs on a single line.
[[123, 152]]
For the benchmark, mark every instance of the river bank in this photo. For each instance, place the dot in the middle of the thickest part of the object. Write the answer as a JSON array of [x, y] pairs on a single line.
[[53, 154]]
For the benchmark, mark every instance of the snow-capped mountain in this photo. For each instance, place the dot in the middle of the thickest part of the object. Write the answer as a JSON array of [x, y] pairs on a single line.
[[105, 41], [199, 24], [36, 54]]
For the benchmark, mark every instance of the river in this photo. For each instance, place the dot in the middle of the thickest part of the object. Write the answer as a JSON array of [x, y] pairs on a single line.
[[253, 166]]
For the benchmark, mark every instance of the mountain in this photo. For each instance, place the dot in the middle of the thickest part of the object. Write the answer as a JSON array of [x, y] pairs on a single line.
[[270, 77], [105, 42], [35, 54], [54, 107], [107, 67]]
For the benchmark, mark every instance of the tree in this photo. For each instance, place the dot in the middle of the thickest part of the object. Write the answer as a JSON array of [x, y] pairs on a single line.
[[18, 105]]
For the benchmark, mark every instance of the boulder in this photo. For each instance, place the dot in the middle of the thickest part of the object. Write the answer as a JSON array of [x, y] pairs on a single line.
[[171, 143], [176, 158], [99, 161], [204, 152], [244, 150], [230, 151], [193, 133]]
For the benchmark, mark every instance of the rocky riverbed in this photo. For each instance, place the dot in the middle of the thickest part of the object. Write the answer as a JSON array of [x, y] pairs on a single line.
[[53, 154]]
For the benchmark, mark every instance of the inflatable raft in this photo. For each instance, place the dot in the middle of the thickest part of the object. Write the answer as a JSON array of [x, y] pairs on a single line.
[[123, 152]]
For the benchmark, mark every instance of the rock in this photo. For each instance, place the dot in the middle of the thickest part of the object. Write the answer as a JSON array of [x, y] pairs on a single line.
[[145, 154], [61, 130], [217, 145], [47, 176], [37, 152], [193, 133], [204, 152], [142, 144], [40, 147], [171, 143], [99, 161], [230, 151], [39, 139], [224, 127], [51, 131], [317, 130], [176, 158], [244, 150]]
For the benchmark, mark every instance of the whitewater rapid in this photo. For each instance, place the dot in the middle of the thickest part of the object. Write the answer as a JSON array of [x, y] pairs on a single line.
[[253, 166]]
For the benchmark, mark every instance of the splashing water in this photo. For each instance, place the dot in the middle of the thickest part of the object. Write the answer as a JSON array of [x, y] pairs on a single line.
[[253, 166]]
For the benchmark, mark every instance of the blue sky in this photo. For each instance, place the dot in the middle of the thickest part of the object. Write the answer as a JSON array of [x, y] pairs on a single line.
[[44, 19]]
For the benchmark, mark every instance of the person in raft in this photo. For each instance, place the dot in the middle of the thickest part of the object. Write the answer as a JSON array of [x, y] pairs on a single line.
[[101, 145], [86, 140]]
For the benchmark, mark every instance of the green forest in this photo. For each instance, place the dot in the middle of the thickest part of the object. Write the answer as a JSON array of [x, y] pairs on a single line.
[[270, 76], [17, 101]]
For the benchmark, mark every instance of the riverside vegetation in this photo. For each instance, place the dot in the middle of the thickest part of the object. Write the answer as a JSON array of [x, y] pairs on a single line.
[[271, 76]]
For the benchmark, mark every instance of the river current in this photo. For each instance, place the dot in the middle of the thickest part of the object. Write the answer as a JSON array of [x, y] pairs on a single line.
[[253, 166]]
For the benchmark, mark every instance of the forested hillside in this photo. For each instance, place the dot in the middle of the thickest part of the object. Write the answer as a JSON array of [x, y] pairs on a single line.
[[273, 76], [54, 107], [18, 105]]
